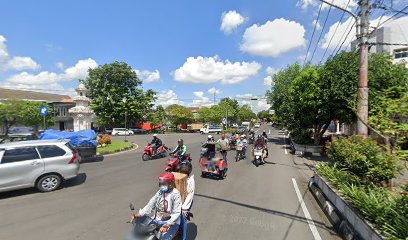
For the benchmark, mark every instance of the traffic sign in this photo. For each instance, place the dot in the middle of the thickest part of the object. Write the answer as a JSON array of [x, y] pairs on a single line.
[[43, 111]]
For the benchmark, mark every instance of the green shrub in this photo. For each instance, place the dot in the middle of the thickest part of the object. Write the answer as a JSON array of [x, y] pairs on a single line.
[[386, 211], [302, 137], [364, 158]]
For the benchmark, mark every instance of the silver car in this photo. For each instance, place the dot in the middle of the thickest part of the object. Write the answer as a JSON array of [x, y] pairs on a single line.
[[43, 164]]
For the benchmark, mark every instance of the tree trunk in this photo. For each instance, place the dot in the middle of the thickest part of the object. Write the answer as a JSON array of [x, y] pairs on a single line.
[[321, 132], [316, 134]]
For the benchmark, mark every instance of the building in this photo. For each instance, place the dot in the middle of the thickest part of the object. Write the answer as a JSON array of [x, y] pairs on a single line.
[[60, 103], [394, 32]]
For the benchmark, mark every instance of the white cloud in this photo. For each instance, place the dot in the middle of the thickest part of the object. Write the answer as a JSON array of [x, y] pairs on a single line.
[[271, 71], [318, 26], [213, 91], [167, 98], [148, 76], [304, 4], [212, 69], [256, 105], [273, 38], [200, 100], [51, 80], [16, 62], [230, 21], [268, 81], [60, 65]]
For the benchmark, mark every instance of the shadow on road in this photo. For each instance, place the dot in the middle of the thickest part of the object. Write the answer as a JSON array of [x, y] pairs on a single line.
[[277, 140], [80, 179], [92, 159], [270, 211], [191, 231]]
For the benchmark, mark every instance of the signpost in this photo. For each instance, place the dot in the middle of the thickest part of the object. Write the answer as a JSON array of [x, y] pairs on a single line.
[[43, 112]]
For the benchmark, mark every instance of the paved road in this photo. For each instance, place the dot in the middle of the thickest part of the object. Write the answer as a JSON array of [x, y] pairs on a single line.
[[252, 203]]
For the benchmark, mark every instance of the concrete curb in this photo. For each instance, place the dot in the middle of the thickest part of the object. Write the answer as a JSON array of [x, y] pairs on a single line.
[[133, 146], [348, 223]]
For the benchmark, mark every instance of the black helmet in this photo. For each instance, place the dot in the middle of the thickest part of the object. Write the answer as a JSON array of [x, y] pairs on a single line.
[[186, 167], [180, 141]]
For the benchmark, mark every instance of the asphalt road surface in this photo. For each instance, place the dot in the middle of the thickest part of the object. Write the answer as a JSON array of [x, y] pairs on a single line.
[[268, 202]]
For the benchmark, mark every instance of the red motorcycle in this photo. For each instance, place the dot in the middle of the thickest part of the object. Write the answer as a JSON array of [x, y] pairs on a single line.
[[172, 164], [148, 152]]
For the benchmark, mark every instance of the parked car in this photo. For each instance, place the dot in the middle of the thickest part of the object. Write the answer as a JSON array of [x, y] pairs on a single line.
[[17, 130], [211, 129], [121, 132], [17, 137], [43, 164], [108, 130], [137, 130], [235, 125], [242, 129], [257, 125]]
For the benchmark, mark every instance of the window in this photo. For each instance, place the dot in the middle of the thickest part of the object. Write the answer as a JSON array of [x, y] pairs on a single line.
[[401, 53], [19, 155], [68, 145], [50, 151]]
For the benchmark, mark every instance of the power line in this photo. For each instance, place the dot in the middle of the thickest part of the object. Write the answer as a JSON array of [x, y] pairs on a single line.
[[338, 50], [331, 39], [321, 33], [314, 29], [392, 17]]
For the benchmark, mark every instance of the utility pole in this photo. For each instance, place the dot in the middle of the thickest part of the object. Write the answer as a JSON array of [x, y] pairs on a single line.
[[362, 100], [362, 22]]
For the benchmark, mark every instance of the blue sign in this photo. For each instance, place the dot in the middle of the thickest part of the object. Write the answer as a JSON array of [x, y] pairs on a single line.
[[43, 111]]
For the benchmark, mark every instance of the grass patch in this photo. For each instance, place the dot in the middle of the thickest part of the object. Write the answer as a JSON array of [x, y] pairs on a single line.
[[114, 146]]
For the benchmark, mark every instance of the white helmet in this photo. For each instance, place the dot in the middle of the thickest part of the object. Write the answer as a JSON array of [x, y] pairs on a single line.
[[210, 137], [243, 136], [155, 135]]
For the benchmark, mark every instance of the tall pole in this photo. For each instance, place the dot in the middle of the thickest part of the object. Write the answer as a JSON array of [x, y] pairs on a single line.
[[362, 100], [126, 131]]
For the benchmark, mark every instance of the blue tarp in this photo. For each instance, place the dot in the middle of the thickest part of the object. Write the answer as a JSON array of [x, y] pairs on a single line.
[[77, 139]]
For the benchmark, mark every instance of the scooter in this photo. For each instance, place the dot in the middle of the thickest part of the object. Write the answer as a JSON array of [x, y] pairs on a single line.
[[240, 152], [211, 165], [148, 152], [232, 143], [258, 156], [251, 139], [172, 164], [145, 227]]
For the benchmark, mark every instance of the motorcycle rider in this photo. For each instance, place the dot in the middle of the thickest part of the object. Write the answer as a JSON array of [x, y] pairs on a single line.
[[242, 141], [186, 168], [167, 201], [156, 142], [181, 150], [260, 143], [224, 143], [265, 136]]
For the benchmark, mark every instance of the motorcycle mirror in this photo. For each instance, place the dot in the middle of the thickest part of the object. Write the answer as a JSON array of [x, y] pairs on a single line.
[[131, 206]]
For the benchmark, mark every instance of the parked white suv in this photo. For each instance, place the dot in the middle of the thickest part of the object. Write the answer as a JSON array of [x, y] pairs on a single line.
[[121, 131], [211, 129], [43, 164]]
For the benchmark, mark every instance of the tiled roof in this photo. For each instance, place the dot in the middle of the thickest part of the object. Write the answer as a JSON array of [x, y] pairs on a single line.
[[30, 95]]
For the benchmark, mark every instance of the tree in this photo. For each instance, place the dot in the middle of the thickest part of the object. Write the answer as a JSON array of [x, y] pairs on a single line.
[[245, 114], [26, 113], [114, 90], [388, 117], [179, 114], [265, 115]]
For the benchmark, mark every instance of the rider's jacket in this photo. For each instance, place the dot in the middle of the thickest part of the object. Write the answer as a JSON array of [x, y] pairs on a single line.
[[190, 193], [157, 142], [182, 151], [164, 203]]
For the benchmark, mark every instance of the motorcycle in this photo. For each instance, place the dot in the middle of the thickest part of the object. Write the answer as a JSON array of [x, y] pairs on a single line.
[[212, 165], [259, 156], [251, 139], [240, 152], [172, 164], [232, 142], [145, 227], [148, 152]]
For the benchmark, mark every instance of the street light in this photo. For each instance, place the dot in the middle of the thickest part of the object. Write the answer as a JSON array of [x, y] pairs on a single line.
[[126, 130]]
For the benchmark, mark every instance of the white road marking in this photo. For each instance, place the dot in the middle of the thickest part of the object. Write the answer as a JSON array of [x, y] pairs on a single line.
[[269, 131], [284, 144], [309, 219]]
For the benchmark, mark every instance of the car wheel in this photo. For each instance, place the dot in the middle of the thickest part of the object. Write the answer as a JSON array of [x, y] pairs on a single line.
[[49, 183]]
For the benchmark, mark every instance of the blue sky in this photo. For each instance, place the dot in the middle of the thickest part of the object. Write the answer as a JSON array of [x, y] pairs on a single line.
[[47, 45]]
